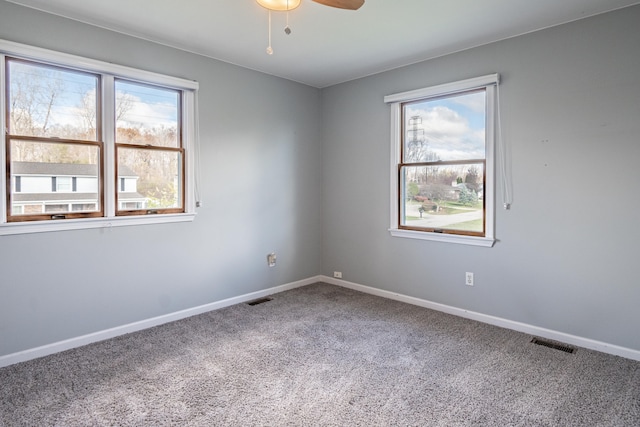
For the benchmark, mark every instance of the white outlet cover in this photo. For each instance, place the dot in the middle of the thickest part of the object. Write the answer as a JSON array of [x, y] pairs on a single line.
[[468, 279]]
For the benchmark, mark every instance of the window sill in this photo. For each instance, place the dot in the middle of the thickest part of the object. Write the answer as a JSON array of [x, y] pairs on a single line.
[[486, 242], [81, 224]]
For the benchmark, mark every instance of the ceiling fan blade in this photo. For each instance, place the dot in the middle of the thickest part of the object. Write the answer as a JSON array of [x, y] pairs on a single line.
[[342, 4]]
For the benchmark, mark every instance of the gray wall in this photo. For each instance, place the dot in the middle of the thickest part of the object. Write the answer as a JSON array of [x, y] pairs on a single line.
[[261, 186], [567, 251]]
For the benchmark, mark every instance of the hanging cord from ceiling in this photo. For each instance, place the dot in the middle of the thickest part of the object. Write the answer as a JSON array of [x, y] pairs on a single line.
[[281, 6], [269, 48], [505, 175]]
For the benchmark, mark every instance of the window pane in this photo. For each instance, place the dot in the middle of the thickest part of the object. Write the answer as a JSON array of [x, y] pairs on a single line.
[[447, 128], [51, 102], [38, 165], [152, 178], [443, 197], [147, 115]]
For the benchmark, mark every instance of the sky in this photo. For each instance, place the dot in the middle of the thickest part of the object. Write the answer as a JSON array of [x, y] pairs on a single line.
[[454, 126], [148, 106]]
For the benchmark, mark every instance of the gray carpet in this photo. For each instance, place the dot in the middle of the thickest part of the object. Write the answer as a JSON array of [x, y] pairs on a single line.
[[322, 356]]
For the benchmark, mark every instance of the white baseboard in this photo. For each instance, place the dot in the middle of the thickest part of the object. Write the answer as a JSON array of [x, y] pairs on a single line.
[[48, 349], [492, 320]]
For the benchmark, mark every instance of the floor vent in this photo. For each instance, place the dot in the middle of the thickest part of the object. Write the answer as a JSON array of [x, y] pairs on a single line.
[[259, 301], [553, 345]]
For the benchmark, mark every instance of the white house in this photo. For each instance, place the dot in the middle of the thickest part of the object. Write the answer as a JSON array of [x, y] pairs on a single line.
[[66, 187]]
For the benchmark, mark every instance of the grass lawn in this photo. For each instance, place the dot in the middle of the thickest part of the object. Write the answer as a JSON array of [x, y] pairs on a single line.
[[475, 225]]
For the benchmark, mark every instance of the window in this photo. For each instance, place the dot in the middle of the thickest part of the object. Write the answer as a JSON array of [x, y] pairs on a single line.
[[52, 124], [90, 144], [149, 154], [63, 184], [442, 163]]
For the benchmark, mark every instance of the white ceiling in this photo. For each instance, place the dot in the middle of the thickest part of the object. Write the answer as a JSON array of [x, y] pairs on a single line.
[[327, 45]]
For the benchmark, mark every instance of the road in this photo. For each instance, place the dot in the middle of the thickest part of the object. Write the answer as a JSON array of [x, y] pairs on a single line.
[[439, 221]]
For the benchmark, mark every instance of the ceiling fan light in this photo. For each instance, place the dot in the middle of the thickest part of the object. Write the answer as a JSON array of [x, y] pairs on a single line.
[[279, 5]]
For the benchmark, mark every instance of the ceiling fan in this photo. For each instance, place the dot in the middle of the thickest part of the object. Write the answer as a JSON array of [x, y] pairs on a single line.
[[287, 5]]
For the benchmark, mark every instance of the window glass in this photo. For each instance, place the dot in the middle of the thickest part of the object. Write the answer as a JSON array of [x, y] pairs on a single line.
[[47, 101], [153, 175], [45, 169], [443, 197], [442, 173], [149, 153], [445, 128], [147, 115]]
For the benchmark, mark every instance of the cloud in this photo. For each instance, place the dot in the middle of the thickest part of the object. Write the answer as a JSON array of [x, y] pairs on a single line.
[[147, 114], [475, 102], [448, 131]]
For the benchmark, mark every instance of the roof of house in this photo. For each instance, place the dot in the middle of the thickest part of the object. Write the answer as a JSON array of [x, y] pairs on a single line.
[[62, 169], [70, 197]]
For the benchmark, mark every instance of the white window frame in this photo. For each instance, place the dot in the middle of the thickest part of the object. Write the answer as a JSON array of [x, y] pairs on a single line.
[[488, 82], [108, 72]]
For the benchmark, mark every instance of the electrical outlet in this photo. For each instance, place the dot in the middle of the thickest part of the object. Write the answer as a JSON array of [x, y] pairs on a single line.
[[468, 279], [271, 259], [337, 274]]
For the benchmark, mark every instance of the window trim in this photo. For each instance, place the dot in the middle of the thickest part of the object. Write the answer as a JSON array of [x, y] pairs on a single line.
[[489, 82], [109, 71]]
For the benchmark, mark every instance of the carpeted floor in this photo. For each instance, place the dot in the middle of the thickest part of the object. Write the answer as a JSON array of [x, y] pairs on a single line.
[[322, 355]]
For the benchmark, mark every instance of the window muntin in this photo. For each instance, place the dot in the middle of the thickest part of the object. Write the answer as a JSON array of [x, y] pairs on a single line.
[[443, 162]]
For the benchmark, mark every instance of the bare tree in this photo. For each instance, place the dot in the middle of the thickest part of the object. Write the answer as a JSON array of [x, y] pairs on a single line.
[[124, 103], [87, 111], [48, 95], [33, 94]]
